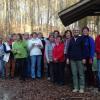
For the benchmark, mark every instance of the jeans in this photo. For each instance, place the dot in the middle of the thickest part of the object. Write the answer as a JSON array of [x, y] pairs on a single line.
[[78, 74], [98, 64], [2, 68], [42, 65], [36, 65]]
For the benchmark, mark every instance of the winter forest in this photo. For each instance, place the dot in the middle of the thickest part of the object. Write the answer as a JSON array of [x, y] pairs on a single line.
[[38, 15]]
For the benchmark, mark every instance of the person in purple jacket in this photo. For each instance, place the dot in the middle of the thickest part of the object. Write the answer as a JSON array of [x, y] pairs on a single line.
[[88, 45]]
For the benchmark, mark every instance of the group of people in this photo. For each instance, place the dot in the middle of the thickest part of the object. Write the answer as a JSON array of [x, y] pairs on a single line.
[[23, 56]]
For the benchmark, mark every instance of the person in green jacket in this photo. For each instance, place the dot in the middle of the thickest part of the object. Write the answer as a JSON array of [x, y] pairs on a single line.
[[19, 49]]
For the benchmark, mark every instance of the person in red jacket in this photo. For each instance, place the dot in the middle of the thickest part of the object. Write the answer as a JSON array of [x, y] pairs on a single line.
[[97, 45], [58, 59]]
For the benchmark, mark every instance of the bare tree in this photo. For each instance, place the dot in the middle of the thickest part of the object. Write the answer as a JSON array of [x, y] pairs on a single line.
[[98, 24]]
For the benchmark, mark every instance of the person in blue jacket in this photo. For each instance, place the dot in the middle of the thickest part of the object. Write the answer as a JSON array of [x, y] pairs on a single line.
[[88, 45]]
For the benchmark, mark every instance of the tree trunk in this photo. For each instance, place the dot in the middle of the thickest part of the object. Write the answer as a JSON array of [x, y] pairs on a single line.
[[98, 24]]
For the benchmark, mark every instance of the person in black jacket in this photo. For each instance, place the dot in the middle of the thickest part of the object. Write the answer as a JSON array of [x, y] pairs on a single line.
[[75, 56]]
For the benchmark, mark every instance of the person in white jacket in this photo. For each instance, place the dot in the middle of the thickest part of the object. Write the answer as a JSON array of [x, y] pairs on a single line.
[[6, 57], [34, 46]]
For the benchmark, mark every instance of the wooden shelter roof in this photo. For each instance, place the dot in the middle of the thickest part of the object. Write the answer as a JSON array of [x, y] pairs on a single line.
[[79, 10]]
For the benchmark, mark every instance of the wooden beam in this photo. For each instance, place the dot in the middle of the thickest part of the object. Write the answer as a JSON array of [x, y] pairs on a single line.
[[79, 11]]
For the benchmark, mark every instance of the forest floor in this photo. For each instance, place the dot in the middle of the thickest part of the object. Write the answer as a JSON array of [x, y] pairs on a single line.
[[41, 90]]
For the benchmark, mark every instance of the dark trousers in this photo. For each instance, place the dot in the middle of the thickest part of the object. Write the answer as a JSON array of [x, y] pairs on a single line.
[[12, 67], [68, 74], [42, 66], [28, 68], [59, 72], [20, 68], [89, 75], [17, 65], [51, 71], [48, 70]]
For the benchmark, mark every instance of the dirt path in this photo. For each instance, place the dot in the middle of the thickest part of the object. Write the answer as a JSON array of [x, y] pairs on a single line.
[[41, 90]]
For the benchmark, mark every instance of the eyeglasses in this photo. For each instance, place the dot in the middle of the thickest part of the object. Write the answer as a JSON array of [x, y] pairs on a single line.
[[76, 31]]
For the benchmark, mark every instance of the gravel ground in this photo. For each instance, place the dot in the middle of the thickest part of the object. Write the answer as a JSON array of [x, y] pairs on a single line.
[[41, 90]]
